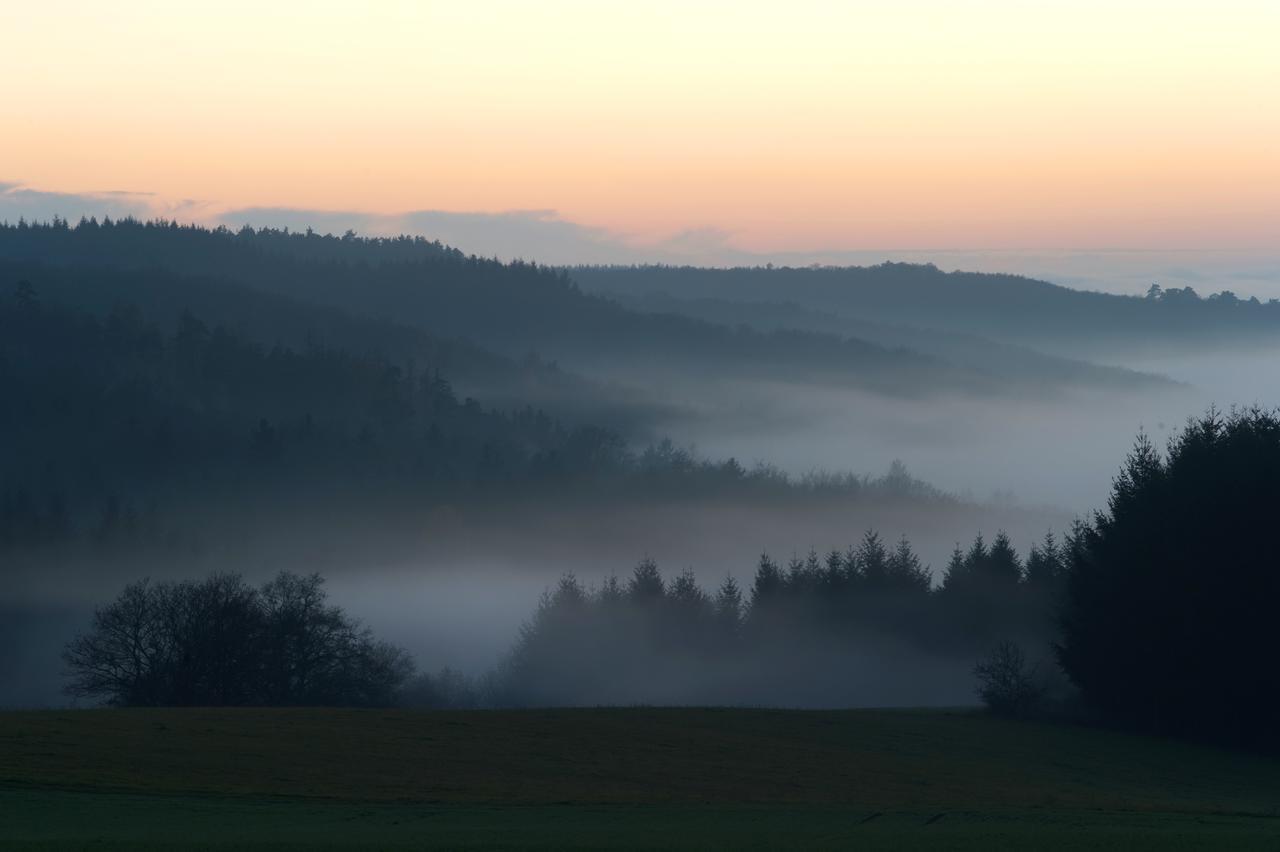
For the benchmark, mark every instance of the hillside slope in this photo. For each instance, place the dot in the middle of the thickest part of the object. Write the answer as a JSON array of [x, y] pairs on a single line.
[[160, 296], [513, 308], [1013, 363]]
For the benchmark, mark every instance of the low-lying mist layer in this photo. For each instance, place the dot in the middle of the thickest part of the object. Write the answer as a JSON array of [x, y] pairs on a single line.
[[865, 626]]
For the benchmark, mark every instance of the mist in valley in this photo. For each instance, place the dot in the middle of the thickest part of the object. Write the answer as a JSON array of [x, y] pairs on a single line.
[[1055, 451], [455, 590], [442, 475]]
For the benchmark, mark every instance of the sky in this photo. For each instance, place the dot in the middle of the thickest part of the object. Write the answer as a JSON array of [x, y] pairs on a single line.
[[691, 129]]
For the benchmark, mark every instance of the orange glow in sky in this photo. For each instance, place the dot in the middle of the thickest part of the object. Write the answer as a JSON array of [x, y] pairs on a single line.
[[796, 125]]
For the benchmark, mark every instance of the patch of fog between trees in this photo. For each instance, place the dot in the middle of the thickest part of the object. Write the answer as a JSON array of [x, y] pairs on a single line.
[[457, 594]]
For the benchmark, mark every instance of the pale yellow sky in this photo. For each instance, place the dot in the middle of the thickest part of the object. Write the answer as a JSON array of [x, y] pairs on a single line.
[[789, 125]]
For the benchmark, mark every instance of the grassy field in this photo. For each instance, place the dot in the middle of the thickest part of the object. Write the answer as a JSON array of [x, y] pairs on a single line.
[[623, 778]]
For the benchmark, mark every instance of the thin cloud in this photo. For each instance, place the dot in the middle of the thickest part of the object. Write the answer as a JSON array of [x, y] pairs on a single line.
[[19, 201], [541, 235]]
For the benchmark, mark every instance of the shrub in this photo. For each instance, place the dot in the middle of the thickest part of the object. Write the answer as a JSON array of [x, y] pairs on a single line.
[[1006, 684]]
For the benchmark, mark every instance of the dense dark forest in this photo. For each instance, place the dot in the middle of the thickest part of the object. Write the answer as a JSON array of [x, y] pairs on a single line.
[[513, 308], [111, 422], [1006, 308], [1169, 616], [162, 297]]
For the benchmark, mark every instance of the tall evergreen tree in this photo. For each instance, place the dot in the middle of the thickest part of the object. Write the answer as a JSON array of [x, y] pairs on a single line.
[[1044, 568], [1002, 566], [728, 610], [873, 562], [904, 572], [646, 583], [769, 582]]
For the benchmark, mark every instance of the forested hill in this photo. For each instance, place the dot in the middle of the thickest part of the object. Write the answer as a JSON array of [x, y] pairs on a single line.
[[1010, 361], [161, 296], [113, 427], [1007, 308], [410, 280], [515, 308]]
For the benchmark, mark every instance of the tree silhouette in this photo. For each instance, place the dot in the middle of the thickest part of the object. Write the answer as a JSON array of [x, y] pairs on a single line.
[[646, 585], [221, 641], [1006, 684], [1170, 596]]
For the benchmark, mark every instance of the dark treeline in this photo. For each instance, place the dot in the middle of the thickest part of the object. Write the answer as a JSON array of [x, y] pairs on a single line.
[[107, 419], [863, 625], [135, 243], [513, 308]]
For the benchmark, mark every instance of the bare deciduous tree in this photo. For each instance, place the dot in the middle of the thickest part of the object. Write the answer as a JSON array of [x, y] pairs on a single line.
[[1006, 684]]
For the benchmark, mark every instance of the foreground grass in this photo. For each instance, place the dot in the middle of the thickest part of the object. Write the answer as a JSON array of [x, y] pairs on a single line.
[[623, 779]]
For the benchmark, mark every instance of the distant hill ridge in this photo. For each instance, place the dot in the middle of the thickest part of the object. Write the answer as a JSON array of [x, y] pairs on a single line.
[[513, 308], [1007, 308]]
